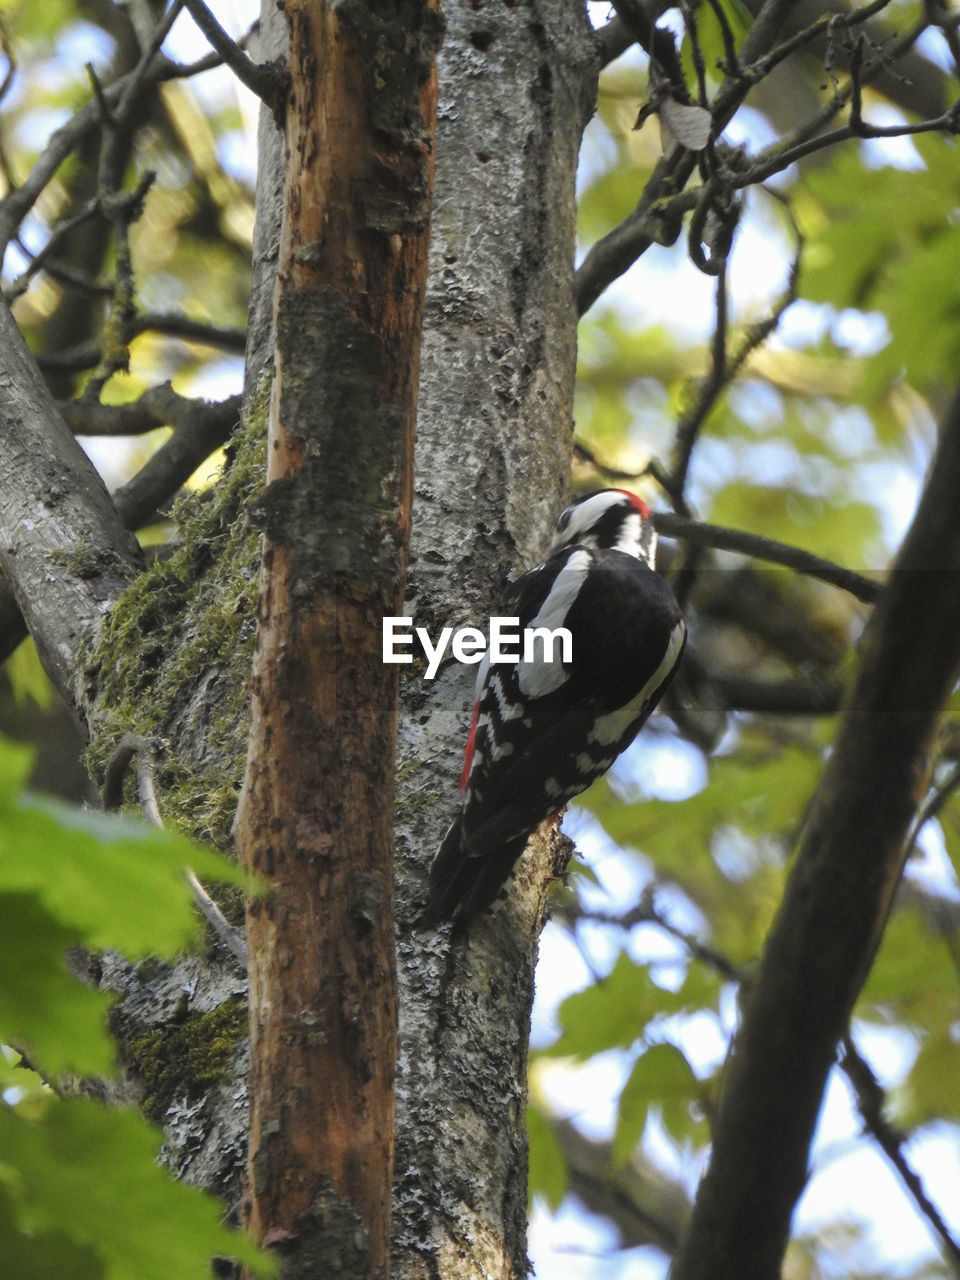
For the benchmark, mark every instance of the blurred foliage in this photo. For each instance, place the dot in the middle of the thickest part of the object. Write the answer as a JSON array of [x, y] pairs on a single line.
[[81, 1187], [190, 246], [81, 1191], [821, 442]]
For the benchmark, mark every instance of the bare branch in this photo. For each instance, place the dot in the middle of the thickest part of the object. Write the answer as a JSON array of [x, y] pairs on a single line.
[[613, 39], [63, 548], [751, 544], [86, 355], [871, 1101], [657, 217], [837, 899], [267, 81], [646, 1205], [870, 1096], [201, 428], [781, 158], [40, 260], [62, 142], [788, 697]]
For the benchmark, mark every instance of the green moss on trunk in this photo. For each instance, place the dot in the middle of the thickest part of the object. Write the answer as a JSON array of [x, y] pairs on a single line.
[[173, 659]]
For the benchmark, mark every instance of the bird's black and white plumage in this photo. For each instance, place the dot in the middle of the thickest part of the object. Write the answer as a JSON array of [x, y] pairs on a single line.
[[542, 731]]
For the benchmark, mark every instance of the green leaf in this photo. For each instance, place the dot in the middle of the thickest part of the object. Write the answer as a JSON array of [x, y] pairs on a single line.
[[661, 1078], [43, 1255], [548, 1167], [43, 23], [909, 978], [28, 680], [816, 524], [90, 1174], [930, 1090], [16, 762], [113, 880], [756, 795], [710, 37], [616, 1012], [42, 1004], [22, 1087]]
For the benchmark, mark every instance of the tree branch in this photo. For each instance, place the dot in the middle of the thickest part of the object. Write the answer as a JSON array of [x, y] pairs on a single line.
[[870, 1103], [837, 899], [62, 142], [86, 355], [647, 1206], [656, 218], [751, 544], [199, 428], [266, 80], [789, 697], [63, 548]]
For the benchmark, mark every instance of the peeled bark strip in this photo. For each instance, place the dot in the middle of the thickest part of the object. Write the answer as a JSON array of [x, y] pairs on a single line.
[[315, 816]]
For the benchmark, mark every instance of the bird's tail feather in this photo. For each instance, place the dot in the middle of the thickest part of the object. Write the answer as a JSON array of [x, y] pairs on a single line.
[[463, 885]]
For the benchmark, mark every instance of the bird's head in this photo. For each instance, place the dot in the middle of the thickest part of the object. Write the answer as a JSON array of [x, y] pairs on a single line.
[[611, 519]]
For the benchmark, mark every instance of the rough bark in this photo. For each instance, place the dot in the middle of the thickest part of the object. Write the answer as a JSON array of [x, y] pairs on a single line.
[[272, 47], [63, 548], [517, 84], [848, 864], [315, 817]]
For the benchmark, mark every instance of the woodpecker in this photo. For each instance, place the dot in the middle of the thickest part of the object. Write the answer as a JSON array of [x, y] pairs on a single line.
[[542, 731]]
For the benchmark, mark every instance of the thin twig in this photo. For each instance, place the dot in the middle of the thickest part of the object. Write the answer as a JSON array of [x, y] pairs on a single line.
[[11, 71], [731, 63], [19, 201], [266, 80], [122, 210], [724, 367], [762, 66], [696, 52], [86, 355], [933, 806], [759, 548], [948, 122], [133, 744], [647, 912], [690, 424], [867, 1090], [656, 219], [41, 259], [871, 1100]]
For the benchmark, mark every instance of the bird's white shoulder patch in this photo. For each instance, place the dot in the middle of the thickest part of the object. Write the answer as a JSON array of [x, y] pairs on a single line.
[[538, 677], [611, 727]]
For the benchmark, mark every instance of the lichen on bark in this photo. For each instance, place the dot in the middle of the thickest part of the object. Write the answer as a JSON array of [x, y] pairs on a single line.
[[173, 659]]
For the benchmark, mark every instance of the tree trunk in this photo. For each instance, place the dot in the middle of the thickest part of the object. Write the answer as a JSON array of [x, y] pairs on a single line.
[[315, 818], [517, 83]]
